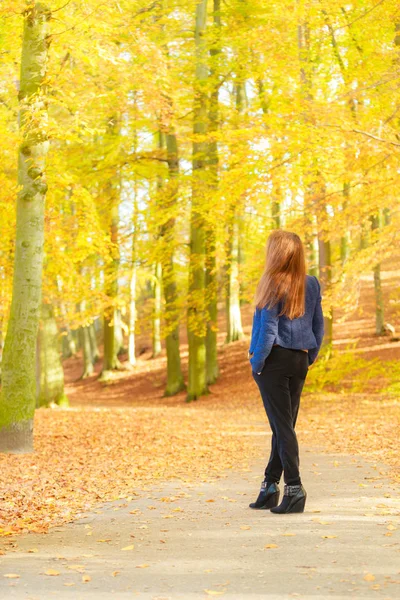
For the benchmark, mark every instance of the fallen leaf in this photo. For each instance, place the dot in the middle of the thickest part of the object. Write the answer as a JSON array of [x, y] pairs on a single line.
[[11, 576], [86, 578], [271, 546], [143, 566], [52, 572], [129, 547], [369, 577]]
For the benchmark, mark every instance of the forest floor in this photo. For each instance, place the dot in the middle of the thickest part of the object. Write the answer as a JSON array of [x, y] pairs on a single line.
[[124, 449]]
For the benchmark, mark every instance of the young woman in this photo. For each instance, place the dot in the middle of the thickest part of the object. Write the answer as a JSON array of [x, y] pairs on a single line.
[[288, 328]]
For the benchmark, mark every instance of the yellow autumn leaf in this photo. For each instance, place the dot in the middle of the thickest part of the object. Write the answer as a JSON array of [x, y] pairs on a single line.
[[369, 577], [131, 547], [86, 578], [214, 592], [271, 546], [52, 572], [11, 576], [143, 566]]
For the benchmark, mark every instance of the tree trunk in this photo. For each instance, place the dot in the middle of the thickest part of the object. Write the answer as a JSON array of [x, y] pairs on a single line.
[[196, 321], [325, 274], [234, 319], [18, 398], [119, 332], [51, 373], [132, 315], [93, 343], [379, 304], [345, 238], [234, 331], [276, 204], [86, 352], [212, 370], [110, 358], [175, 382], [157, 310]]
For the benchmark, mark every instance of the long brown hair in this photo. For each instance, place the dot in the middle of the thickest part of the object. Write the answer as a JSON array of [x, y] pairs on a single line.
[[284, 276]]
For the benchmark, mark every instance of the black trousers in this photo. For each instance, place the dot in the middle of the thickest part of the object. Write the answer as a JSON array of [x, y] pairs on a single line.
[[280, 383]]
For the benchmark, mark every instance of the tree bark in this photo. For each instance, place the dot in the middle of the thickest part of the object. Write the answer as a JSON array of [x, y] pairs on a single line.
[[110, 357], [197, 383], [379, 303], [93, 343], [51, 373], [175, 382], [18, 398], [234, 330], [211, 283]]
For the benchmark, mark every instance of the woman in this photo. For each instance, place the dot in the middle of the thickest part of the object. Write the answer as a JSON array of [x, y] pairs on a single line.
[[288, 328]]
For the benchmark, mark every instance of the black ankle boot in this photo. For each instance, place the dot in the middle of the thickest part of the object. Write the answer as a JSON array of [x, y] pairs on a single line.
[[268, 496], [293, 501]]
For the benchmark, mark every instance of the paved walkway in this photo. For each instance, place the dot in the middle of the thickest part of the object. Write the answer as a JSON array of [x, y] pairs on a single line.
[[202, 541]]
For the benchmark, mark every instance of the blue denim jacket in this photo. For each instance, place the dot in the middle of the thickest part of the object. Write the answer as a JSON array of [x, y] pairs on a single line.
[[304, 332]]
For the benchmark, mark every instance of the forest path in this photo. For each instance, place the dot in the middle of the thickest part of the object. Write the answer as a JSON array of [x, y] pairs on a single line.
[[198, 541]]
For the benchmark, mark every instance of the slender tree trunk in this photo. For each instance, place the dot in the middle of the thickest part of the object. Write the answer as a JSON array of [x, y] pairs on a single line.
[[234, 319], [110, 358], [93, 343], [197, 384], [157, 276], [119, 332], [157, 310], [345, 238], [18, 398], [175, 382], [325, 273], [276, 205], [212, 370], [379, 303], [51, 373], [132, 316], [88, 369], [325, 261]]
